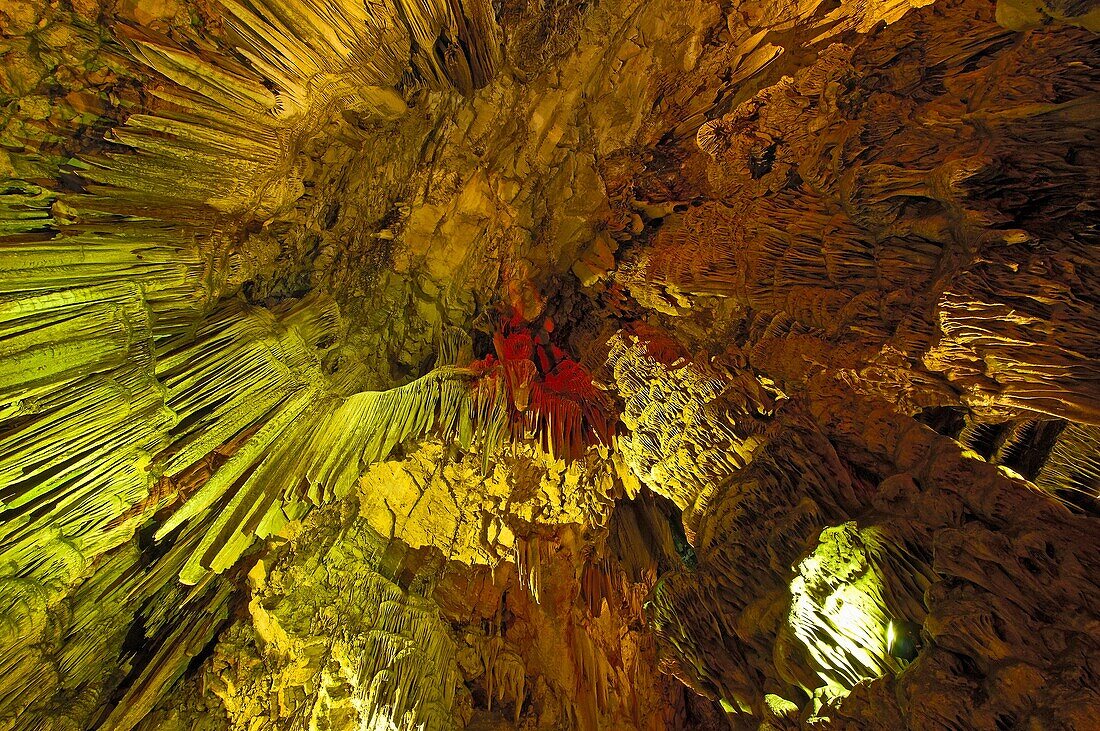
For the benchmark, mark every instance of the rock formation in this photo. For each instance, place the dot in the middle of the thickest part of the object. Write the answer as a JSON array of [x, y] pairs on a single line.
[[470, 364]]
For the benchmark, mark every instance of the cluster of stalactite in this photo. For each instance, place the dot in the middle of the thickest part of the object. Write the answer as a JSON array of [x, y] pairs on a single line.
[[333, 642], [151, 431], [893, 224], [643, 364], [861, 550], [911, 197]]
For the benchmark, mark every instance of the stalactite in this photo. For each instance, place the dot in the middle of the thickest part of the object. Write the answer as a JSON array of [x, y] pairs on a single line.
[[505, 676], [446, 363], [530, 555], [83, 412], [685, 436], [309, 435], [456, 41], [981, 528], [335, 646], [98, 617], [1072, 471], [821, 181]]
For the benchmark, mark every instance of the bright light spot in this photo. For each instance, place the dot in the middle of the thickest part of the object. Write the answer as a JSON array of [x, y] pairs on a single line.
[[849, 617], [838, 611]]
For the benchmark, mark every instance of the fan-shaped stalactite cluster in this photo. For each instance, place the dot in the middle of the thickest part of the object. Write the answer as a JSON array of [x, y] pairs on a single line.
[[641, 364]]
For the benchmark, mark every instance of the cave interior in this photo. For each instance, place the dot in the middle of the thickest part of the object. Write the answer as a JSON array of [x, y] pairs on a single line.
[[609, 365]]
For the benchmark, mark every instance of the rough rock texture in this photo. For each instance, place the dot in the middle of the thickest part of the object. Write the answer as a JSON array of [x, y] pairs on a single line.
[[633, 364]]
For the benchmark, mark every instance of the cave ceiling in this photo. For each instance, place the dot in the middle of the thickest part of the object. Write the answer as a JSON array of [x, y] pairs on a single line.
[[374, 365]]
